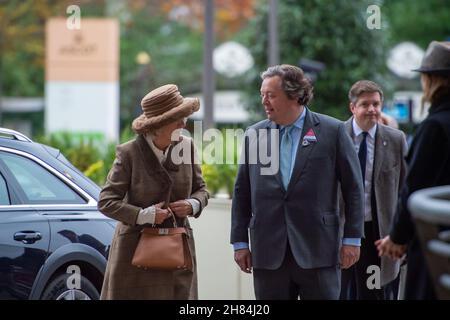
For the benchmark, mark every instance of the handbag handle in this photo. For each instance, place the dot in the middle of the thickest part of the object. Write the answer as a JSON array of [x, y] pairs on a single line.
[[175, 225]]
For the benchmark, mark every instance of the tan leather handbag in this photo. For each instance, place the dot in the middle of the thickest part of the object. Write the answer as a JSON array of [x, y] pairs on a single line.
[[163, 249]]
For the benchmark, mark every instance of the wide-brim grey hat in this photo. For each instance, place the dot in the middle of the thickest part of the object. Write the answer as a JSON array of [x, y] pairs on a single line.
[[436, 58]]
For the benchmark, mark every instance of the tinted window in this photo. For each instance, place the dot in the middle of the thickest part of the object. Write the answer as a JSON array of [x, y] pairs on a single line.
[[38, 185]]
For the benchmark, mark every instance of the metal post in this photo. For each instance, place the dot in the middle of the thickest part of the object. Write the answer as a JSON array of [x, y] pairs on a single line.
[[208, 68], [411, 110], [274, 52]]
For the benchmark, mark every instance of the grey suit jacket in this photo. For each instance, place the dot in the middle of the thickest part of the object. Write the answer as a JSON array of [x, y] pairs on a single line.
[[388, 178], [307, 213]]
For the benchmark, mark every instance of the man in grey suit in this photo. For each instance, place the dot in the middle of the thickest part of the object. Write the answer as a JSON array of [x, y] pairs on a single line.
[[292, 214], [381, 151]]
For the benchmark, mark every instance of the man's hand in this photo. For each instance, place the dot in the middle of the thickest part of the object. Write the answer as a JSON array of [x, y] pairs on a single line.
[[181, 208], [386, 247], [349, 256], [243, 258]]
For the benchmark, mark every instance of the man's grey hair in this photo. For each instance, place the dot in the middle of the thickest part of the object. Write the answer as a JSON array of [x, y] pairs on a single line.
[[293, 82]]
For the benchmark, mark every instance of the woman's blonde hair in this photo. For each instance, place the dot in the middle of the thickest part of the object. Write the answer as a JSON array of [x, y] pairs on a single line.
[[434, 86]]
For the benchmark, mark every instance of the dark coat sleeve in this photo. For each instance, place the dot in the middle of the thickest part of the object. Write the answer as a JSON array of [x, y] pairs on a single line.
[[426, 163], [241, 210]]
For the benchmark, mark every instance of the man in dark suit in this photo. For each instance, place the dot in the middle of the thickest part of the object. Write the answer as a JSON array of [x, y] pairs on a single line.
[[381, 151], [292, 214]]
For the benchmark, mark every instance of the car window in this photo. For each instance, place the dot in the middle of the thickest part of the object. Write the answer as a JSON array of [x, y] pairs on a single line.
[[4, 195], [38, 185]]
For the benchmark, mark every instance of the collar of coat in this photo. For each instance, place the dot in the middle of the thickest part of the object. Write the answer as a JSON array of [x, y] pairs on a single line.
[[382, 143], [311, 120], [443, 103], [149, 156]]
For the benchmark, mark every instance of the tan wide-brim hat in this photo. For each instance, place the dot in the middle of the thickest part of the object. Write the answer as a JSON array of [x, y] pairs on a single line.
[[163, 106]]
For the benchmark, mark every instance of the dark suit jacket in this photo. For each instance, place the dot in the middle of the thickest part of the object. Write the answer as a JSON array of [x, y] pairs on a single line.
[[428, 166], [307, 213], [388, 177]]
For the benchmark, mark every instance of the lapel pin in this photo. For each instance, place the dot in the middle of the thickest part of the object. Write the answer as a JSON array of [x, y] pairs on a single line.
[[309, 137]]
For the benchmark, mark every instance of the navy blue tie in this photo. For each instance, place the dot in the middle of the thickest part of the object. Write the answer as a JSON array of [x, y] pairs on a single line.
[[362, 155]]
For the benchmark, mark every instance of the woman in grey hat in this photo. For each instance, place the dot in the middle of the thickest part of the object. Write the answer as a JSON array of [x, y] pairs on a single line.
[[428, 166], [143, 187]]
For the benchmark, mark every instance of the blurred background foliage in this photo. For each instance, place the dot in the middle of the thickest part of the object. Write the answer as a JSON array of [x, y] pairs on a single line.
[[161, 41], [91, 156], [332, 32], [94, 158]]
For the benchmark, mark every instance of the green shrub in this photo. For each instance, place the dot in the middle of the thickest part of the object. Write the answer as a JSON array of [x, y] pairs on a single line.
[[220, 177], [212, 178], [95, 158], [87, 153]]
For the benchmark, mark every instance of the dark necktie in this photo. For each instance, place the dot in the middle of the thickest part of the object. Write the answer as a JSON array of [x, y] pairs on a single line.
[[362, 155], [285, 155]]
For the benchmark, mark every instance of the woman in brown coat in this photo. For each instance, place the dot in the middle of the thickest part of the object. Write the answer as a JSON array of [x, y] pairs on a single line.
[[145, 180]]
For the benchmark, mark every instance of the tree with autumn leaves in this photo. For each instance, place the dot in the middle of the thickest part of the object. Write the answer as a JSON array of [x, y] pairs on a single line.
[[22, 42], [230, 15], [170, 32]]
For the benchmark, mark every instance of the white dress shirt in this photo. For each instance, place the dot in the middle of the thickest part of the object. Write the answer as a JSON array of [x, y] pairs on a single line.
[[357, 138], [147, 215]]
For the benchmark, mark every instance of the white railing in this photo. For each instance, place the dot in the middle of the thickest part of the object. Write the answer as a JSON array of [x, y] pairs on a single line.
[[431, 210]]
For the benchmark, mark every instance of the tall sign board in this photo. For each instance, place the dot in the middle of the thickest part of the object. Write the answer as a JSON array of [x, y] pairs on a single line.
[[82, 78]]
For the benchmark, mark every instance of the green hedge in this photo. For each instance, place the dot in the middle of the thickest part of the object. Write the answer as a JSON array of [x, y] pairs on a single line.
[[94, 158]]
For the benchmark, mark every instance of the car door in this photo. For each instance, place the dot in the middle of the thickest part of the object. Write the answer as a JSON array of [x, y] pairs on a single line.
[[37, 188], [24, 238]]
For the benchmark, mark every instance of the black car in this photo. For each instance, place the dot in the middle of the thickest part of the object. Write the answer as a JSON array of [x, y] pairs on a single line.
[[54, 243]]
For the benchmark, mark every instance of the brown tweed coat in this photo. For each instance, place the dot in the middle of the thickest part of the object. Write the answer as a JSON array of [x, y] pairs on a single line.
[[138, 180]]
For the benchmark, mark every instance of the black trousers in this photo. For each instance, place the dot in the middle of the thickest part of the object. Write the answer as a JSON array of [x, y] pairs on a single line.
[[290, 282], [354, 279]]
